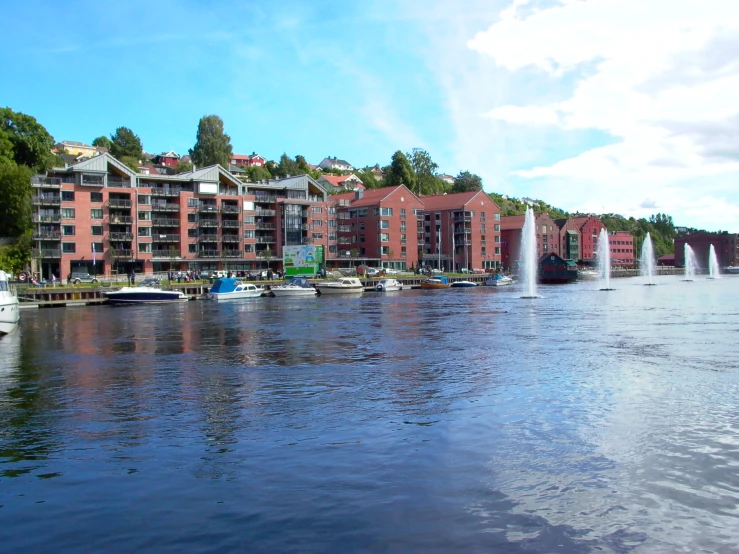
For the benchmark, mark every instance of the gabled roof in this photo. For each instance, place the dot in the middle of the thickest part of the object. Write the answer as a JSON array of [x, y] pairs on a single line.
[[75, 143], [299, 182], [340, 180], [373, 197], [100, 163], [170, 154], [457, 200]]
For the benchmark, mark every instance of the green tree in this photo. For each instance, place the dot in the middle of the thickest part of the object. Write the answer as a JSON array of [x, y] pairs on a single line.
[[400, 172], [103, 142], [125, 143], [467, 182], [16, 257], [425, 171], [212, 145], [15, 198], [31, 142], [287, 166], [368, 178], [256, 173], [183, 167], [130, 162]]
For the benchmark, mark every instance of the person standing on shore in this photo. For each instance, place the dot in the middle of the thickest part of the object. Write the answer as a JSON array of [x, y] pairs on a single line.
[[53, 280]]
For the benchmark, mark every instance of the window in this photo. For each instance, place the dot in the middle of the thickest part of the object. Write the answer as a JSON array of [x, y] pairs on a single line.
[[249, 233], [144, 199], [144, 231], [68, 230], [96, 197], [332, 236], [67, 213], [496, 228], [403, 252], [317, 223], [497, 238], [317, 210], [482, 216], [438, 216], [332, 210], [383, 250], [69, 247], [482, 228], [383, 237], [361, 238], [193, 202], [192, 248], [402, 226], [332, 248], [96, 230], [402, 213], [403, 239], [249, 248], [69, 178], [361, 225], [332, 223], [96, 213], [144, 216], [145, 247], [191, 218], [497, 217], [97, 247], [192, 233], [317, 235], [67, 196], [497, 250], [362, 212], [92, 180], [383, 224]]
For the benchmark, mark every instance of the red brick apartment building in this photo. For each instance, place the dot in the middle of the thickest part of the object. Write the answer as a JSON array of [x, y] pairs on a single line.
[[547, 237], [726, 246], [461, 230], [621, 244], [99, 216], [376, 227], [589, 227]]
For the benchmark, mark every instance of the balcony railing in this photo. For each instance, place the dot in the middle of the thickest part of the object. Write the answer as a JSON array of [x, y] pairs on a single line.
[[231, 224], [94, 181], [266, 226], [266, 240], [165, 207], [119, 203], [461, 231], [229, 209], [121, 236], [265, 213], [166, 252], [208, 208], [44, 253], [462, 219], [165, 222], [36, 218], [231, 238], [156, 237], [42, 200], [209, 223], [208, 238], [115, 219], [209, 253], [116, 182], [232, 254], [158, 191], [47, 182], [47, 235], [121, 253], [265, 198]]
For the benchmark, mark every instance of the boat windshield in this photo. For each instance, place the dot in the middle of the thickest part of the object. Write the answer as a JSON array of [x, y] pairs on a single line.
[[4, 286], [299, 282]]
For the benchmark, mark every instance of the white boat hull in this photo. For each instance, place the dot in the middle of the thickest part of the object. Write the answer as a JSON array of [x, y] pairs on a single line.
[[10, 312], [296, 292], [323, 289], [732, 270], [145, 295], [221, 296]]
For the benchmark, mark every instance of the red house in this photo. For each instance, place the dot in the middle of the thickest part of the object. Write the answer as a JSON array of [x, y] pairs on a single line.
[[621, 244], [247, 160], [590, 227], [170, 159]]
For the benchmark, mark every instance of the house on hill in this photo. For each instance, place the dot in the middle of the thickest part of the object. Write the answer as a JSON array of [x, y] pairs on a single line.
[[335, 163], [341, 182]]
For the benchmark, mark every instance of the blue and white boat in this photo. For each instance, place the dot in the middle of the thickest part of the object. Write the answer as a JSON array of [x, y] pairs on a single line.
[[145, 295], [297, 286], [498, 280], [233, 289], [9, 310]]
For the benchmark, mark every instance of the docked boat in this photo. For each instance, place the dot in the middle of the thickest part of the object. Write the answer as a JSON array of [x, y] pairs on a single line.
[[233, 289], [388, 285], [498, 280], [587, 274], [9, 310], [297, 286], [145, 295], [732, 270], [440, 282], [345, 285], [463, 284]]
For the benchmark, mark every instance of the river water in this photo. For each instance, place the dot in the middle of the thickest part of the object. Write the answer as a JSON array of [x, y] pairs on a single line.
[[464, 420]]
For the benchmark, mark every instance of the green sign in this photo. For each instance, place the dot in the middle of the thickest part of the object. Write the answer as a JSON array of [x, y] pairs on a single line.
[[302, 260]]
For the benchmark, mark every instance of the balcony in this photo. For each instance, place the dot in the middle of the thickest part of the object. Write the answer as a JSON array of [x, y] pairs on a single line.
[[117, 182], [265, 213], [46, 200], [209, 223], [231, 238], [265, 198], [115, 219], [165, 252], [165, 207], [119, 203], [47, 235], [228, 191], [159, 191], [208, 208], [229, 209], [95, 181], [155, 237], [118, 253], [232, 254], [45, 253], [266, 227], [462, 219], [230, 224], [46, 218], [208, 238], [263, 256], [121, 236], [209, 253], [46, 182], [164, 222], [266, 240]]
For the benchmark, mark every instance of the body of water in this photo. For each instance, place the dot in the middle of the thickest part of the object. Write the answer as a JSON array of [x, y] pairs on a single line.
[[464, 420]]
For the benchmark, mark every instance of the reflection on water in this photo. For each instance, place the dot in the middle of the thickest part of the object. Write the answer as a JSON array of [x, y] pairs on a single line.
[[420, 421]]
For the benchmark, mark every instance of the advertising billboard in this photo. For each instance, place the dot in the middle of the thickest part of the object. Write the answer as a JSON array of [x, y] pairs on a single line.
[[302, 260]]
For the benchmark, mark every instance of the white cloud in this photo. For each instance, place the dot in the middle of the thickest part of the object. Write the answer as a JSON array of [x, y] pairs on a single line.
[[662, 80]]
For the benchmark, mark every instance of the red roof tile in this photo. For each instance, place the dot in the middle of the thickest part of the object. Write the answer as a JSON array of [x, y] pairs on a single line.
[[448, 201]]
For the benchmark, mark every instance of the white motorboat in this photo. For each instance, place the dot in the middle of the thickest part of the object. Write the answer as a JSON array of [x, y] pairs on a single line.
[[588, 274], [388, 285], [463, 284], [297, 286], [145, 295], [233, 289], [345, 285], [732, 270], [498, 280], [9, 311]]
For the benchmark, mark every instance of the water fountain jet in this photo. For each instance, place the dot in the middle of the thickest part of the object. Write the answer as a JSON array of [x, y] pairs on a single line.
[[713, 270], [528, 255], [647, 260], [690, 264], [604, 259]]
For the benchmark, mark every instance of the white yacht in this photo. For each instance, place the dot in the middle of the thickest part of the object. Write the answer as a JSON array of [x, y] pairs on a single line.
[[345, 285], [388, 285], [9, 310], [498, 280], [148, 292], [297, 286], [233, 289]]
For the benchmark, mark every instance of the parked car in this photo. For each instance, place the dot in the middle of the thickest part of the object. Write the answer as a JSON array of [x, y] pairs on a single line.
[[77, 278]]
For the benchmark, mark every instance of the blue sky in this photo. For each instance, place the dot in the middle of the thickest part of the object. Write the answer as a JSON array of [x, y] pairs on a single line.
[[622, 117]]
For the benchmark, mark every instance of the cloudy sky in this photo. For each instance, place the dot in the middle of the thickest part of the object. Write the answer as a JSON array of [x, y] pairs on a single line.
[[626, 106]]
